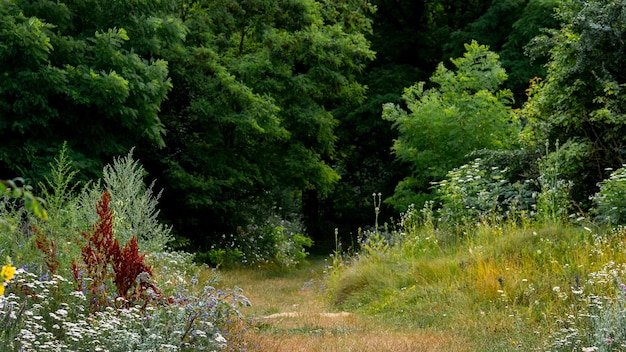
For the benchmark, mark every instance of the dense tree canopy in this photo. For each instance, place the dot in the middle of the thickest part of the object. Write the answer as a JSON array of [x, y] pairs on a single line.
[[243, 108], [70, 71], [239, 93], [251, 125]]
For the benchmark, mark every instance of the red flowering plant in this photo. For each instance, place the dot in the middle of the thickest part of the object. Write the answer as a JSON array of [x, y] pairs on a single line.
[[112, 275], [49, 249]]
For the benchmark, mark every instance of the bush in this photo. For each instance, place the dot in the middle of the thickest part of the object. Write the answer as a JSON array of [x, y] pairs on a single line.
[[610, 201], [475, 190], [276, 241], [133, 203]]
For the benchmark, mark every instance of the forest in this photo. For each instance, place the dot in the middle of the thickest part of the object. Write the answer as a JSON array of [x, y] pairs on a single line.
[[244, 110], [255, 132]]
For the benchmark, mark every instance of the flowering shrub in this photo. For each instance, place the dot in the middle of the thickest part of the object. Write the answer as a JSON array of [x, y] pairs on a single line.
[[276, 241], [474, 190]]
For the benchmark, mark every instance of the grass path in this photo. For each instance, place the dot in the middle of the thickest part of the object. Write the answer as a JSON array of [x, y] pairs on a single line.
[[289, 313]]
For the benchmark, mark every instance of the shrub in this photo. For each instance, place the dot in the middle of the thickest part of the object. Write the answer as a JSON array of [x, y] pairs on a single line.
[[275, 241], [134, 205], [475, 190], [610, 201]]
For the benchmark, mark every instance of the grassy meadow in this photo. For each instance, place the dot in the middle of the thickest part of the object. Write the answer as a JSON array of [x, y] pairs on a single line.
[[488, 287]]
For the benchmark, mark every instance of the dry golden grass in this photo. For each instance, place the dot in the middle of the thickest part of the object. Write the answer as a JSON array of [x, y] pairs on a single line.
[[357, 342], [287, 316]]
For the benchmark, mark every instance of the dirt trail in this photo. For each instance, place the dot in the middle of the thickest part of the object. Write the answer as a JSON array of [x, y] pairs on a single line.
[[288, 313]]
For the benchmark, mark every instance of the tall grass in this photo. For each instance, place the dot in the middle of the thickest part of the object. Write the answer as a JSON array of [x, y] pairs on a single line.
[[505, 286]]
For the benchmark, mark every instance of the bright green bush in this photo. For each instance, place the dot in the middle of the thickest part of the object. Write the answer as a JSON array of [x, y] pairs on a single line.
[[462, 111]]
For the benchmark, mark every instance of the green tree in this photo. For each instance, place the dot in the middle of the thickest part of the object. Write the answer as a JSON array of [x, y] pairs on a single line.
[[408, 39], [464, 112], [507, 26], [76, 71], [249, 122], [582, 97]]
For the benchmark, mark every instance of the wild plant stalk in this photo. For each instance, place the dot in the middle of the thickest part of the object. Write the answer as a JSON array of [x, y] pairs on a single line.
[[553, 199], [60, 186], [130, 278], [377, 202]]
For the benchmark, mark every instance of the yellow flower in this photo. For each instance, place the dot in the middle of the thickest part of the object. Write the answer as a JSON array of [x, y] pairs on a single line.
[[7, 272], [1, 289]]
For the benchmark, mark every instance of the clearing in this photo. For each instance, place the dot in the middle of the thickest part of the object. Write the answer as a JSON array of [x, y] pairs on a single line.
[[289, 313]]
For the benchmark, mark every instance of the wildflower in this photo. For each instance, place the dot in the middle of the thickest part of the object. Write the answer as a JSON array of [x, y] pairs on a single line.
[[7, 272], [220, 339], [589, 349]]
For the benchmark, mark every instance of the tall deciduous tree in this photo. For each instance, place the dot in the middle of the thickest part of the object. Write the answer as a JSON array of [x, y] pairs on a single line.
[[75, 71], [465, 112], [250, 119], [507, 26]]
